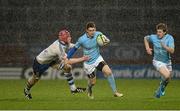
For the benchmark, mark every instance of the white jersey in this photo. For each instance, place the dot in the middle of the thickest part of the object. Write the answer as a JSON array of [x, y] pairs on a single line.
[[56, 51]]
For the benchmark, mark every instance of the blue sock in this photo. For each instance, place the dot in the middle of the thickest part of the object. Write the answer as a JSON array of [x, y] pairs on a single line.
[[112, 82]]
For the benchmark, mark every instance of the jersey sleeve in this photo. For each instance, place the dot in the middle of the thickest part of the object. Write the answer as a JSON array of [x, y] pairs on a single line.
[[149, 38], [97, 33], [171, 42]]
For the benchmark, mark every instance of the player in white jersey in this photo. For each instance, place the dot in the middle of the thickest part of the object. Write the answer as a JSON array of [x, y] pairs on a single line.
[[163, 46], [55, 56]]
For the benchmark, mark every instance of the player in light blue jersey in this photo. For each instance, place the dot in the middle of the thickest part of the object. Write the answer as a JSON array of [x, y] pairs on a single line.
[[91, 48], [163, 46]]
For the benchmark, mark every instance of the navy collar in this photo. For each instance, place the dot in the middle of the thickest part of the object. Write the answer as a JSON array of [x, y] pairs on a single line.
[[163, 37], [89, 36], [62, 43]]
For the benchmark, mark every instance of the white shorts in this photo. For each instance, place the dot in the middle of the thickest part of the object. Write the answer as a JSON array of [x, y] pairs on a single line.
[[159, 64], [89, 68]]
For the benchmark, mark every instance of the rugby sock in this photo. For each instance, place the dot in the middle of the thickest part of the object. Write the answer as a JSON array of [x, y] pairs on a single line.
[[164, 82], [28, 86], [30, 83], [70, 81], [90, 85], [90, 89], [112, 82]]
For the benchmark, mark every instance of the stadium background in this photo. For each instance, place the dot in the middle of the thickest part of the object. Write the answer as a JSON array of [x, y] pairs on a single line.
[[29, 26]]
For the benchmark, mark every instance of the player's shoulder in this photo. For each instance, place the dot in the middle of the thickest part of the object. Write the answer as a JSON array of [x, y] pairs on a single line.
[[53, 46], [98, 32], [56, 42], [83, 38], [153, 35], [169, 36]]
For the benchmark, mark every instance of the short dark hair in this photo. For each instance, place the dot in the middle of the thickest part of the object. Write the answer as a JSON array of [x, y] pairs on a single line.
[[162, 26], [90, 24]]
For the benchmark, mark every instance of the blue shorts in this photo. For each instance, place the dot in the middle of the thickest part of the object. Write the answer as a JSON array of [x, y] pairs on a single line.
[[39, 69]]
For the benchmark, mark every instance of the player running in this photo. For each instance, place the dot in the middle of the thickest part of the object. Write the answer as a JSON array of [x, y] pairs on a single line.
[[54, 56], [163, 46], [91, 49]]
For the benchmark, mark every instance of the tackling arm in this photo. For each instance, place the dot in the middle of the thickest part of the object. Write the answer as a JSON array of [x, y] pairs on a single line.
[[76, 60], [70, 60], [71, 52]]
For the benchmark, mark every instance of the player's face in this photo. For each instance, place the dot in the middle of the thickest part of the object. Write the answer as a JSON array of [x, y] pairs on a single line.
[[160, 33], [90, 31], [68, 40]]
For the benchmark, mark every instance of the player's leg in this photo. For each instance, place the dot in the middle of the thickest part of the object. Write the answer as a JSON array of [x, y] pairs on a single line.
[[29, 84], [109, 75], [89, 70], [67, 72], [31, 81], [165, 72], [91, 83], [38, 69], [166, 76]]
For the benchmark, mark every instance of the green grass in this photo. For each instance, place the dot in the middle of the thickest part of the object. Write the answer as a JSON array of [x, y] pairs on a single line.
[[55, 94]]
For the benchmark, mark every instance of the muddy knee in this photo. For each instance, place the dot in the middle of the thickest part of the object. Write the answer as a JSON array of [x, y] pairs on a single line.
[[67, 68], [33, 79]]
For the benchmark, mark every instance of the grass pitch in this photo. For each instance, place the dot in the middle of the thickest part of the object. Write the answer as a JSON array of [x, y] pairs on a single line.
[[55, 94]]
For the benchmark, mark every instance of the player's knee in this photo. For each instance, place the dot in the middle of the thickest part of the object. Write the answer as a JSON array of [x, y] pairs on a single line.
[[67, 68], [108, 72], [93, 81], [168, 75]]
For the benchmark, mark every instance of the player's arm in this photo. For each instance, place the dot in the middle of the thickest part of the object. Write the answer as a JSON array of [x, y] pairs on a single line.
[[65, 61], [146, 43], [72, 51], [169, 47], [76, 60]]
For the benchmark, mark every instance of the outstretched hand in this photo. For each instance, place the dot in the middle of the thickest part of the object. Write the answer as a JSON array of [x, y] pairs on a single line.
[[85, 58]]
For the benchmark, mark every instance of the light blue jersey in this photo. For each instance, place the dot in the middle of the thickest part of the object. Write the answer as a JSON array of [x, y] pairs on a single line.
[[160, 54], [90, 46]]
